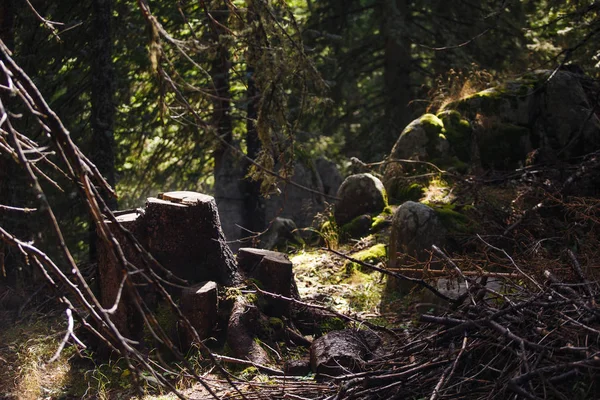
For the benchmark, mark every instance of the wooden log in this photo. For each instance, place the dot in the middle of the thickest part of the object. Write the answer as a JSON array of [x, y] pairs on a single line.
[[342, 352], [199, 304], [243, 327], [273, 271], [184, 234]]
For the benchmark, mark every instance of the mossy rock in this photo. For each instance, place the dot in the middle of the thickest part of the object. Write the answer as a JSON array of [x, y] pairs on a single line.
[[401, 191], [459, 134], [358, 227], [504, 146], [423, 139], [453, 220], [372, 255]]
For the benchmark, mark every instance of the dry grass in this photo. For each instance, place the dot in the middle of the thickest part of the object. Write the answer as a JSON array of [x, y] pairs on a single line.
[[25, 351]]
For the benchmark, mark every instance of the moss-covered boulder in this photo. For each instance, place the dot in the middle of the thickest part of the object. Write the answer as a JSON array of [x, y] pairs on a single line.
[[458, 132], [358, 195], [550, 112], [423, 139], [415, 227]]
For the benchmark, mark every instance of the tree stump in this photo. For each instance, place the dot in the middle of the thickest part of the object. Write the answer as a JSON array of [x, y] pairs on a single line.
[[342, 352], [182, 231], [184, 234], [199, 304], [273, 271], [111, 274]]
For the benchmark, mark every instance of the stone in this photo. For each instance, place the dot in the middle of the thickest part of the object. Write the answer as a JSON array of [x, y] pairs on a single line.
[[359, 194], [281, 232], [295, 203], [330, 176], [551, 112], [415, 228], [423, 139]]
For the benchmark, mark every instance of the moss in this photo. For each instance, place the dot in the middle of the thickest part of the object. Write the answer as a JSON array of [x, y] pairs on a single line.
[[458, 132], [249, 373], [401, 191], [378, 222], [276, 323], [452, 219], [432, 124], [332, 324], [358, 227], [434, 128], [372, 255]]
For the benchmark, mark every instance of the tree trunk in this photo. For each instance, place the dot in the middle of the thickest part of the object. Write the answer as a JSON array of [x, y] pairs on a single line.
[[254, 208], [11, 264], [103, 109], [229, 170], [397, 66]]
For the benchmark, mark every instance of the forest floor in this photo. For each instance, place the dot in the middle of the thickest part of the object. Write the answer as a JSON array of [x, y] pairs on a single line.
[[30, 340], [539, 332]]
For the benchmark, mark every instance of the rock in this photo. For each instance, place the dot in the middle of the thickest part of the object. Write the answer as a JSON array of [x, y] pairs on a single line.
[[415, 227], [342, 352], [423, 139], [456, 288], [297, 367], [295, 203], [330, 176], [547, 111], [567, 122], [281, 231], [359, 194], [358, 227]]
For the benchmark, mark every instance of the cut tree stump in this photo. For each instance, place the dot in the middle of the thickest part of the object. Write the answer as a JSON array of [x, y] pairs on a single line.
[[182, 231], [273, 271], [184, 234], [342, 352], [111, 274], [200, 305]]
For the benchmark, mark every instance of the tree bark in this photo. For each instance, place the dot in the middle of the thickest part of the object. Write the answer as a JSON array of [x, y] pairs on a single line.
[[397, 67], [273, 271], [254, 207], [11, 265], [103, 108], [229, 170]]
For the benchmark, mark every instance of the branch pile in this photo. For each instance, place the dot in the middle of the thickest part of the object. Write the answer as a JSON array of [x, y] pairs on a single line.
[[537, 338]]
